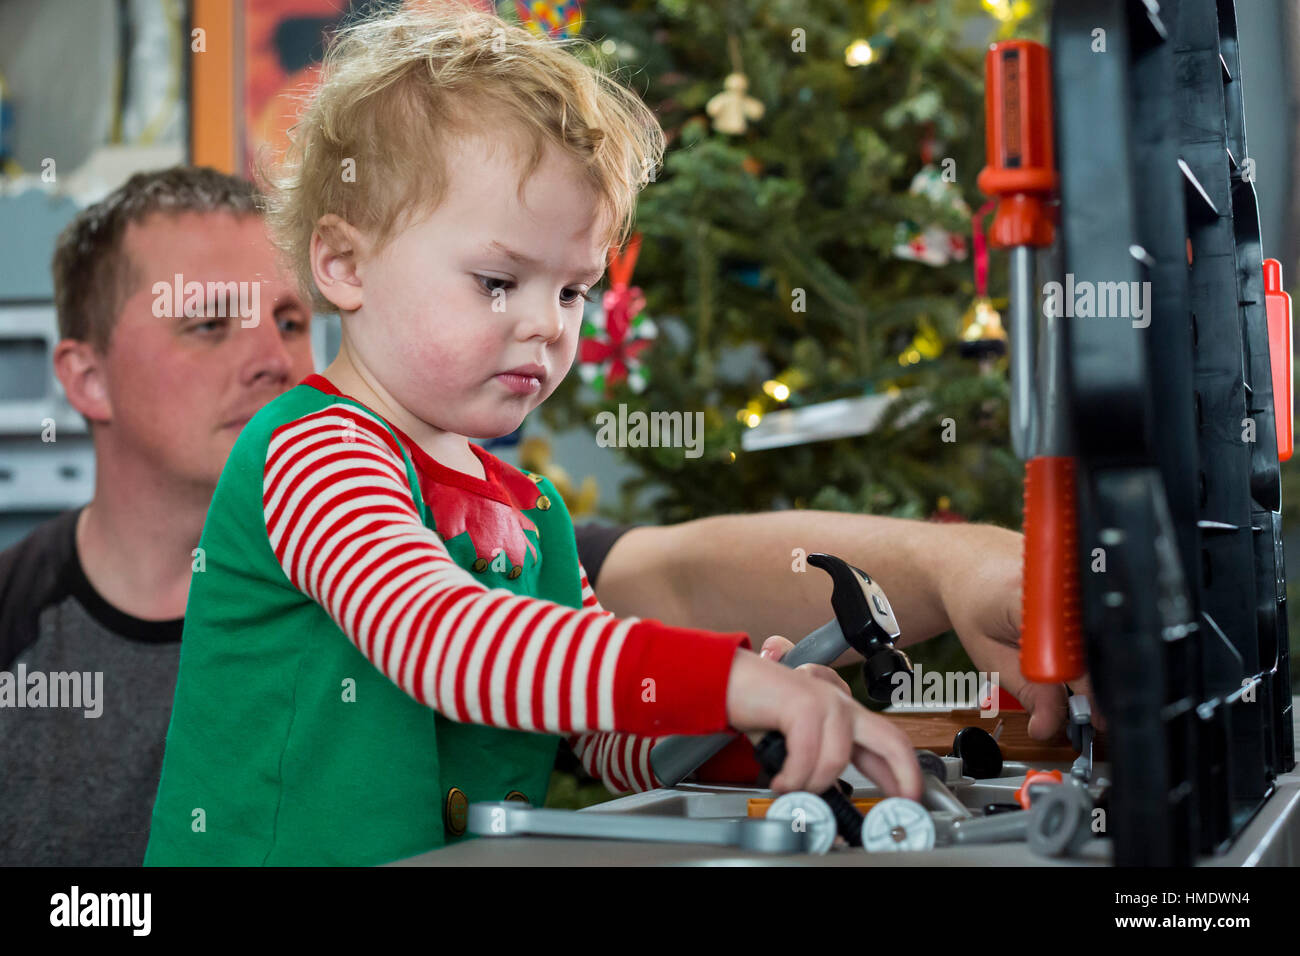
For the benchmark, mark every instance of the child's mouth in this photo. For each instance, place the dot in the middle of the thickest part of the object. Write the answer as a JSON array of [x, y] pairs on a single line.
[[520, 384]]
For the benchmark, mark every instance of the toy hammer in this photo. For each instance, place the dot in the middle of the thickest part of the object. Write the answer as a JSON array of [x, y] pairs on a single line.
[[863, 621]]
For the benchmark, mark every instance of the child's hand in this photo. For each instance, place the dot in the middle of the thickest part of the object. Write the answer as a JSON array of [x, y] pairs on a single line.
[[776, 647], [825, 729]]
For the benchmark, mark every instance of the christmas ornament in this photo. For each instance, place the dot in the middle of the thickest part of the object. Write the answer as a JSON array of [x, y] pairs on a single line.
[[732, 110], [982, 334], [943, 514], [556, 20], [614, 336], [926, 344], [932, 244]]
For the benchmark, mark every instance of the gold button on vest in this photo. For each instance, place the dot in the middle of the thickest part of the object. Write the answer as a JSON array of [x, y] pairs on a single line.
[[543, 502], [516, 796], [455, 811], [480, 565], [515, 572]]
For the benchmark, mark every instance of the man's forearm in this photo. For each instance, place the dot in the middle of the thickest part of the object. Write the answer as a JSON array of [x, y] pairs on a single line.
[[736, 572]]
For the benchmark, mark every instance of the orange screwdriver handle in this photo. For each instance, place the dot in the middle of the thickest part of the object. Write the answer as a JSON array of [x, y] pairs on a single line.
[[1051, 641], [1278, 304], [1021, 161]]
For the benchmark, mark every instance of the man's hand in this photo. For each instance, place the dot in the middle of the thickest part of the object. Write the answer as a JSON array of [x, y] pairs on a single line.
[[980, 584]]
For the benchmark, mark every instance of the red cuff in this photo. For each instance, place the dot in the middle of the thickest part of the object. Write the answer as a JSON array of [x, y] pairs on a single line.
[[734, 763], [673, 680]]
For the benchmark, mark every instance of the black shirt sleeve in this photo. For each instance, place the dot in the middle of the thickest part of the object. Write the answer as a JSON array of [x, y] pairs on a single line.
[[33, 574], [594, 541]]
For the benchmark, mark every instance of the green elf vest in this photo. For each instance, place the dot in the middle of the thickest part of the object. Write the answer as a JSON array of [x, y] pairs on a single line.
[[286, 745]]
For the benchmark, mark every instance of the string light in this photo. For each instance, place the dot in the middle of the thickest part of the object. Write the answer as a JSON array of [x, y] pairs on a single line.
[[1007, 10], [778, 390], [859, 53]]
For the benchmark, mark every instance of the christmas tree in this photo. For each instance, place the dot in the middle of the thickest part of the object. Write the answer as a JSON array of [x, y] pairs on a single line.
[[769, 256]]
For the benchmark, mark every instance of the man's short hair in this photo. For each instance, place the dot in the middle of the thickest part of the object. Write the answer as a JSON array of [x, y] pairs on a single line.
[[93, 276]]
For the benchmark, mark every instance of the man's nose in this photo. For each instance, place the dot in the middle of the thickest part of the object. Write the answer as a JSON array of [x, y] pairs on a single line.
[[265, 355]]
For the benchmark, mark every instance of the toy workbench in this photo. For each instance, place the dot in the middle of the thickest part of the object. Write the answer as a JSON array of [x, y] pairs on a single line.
[[1150, 359], [1271, 838]]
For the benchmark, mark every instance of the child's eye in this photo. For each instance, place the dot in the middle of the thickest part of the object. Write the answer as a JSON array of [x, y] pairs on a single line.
[[484, 280], [578, 295]]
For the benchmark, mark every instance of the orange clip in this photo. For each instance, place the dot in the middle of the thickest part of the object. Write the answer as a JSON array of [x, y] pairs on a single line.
[[1036, 776]]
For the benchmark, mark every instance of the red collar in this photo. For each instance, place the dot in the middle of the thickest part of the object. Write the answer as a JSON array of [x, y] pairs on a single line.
[[504, 483]]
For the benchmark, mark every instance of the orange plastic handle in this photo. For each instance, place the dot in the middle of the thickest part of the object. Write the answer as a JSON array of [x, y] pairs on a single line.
[[1021, 162], [1033, 777], [1051, 641], [1278, 304]]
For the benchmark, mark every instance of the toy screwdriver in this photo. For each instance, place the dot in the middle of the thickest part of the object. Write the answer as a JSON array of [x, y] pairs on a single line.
[[1021, 175]]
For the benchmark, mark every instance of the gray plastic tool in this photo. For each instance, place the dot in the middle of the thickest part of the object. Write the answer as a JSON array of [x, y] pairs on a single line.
[[937, 796], [510, 818], [810, 812], [896, 825], [1002, 828], [1059, 820], [1081, 735]]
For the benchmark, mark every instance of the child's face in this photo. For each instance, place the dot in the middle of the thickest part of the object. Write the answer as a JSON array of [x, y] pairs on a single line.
[[431, 328]]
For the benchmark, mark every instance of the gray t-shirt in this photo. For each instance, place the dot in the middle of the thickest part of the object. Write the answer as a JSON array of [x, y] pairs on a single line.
[[85, 699]]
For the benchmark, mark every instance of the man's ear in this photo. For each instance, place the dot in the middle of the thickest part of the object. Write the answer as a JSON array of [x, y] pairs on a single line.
[[80, 369], [337, 249]]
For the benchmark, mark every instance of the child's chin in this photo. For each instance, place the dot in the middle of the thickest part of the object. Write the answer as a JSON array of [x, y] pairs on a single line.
[[488, 430]]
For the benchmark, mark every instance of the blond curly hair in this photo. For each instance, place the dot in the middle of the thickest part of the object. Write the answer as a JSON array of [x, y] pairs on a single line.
[[397, 89]]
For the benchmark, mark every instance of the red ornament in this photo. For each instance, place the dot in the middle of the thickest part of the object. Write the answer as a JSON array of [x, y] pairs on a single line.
[[622, 303]]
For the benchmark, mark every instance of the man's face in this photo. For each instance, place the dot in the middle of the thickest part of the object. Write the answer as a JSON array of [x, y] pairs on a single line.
[[446, 309], [180, 386]]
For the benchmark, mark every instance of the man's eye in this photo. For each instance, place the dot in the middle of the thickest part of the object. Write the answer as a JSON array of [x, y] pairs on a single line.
[[212, 325], [484, 280], [292, 326]]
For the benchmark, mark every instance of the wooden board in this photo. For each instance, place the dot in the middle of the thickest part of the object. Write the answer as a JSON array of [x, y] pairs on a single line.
[[935, 731]]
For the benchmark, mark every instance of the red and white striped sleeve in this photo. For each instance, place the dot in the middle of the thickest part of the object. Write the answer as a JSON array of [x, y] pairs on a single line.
[[621, 761], [343, 524], [588, 594]]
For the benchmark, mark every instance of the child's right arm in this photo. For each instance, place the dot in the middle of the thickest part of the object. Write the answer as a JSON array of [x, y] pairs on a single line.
[[344, 528]]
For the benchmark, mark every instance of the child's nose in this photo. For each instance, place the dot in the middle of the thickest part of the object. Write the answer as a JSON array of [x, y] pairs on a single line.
[[547, 322]]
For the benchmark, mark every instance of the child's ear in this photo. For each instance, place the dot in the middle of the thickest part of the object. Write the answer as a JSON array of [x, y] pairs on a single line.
[[337, 248]]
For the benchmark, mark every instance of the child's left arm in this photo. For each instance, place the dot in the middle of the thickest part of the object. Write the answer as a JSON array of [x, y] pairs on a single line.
[[621, 761]]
